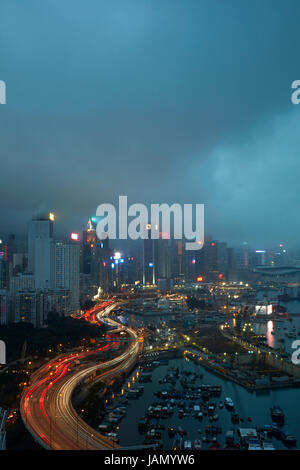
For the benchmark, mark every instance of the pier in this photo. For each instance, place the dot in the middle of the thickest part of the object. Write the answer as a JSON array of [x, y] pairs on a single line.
[[271, 358]]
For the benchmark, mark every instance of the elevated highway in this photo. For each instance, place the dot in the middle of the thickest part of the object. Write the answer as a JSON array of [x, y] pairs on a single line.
[[46, 405]]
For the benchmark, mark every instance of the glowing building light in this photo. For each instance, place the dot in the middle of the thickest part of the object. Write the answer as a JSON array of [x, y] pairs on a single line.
[[74, 236], [163, 235], [200, 279]]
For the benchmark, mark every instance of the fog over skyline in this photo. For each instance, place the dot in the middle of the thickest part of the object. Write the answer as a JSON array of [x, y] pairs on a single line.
[[185, 101]]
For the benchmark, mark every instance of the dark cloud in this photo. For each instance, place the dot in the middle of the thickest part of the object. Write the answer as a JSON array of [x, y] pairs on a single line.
[[161, 100]]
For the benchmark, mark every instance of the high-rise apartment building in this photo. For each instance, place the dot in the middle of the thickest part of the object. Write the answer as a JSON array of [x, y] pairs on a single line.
[[21, 282], [4, 307], [67, 270], [95, 259], [41, 250], [28, 307]]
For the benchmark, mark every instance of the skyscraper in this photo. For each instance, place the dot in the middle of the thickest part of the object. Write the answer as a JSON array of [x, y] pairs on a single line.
[[28, 307], [95, 256], [41, 250], [67, 270], [149, 258], [163, 256], [88, 242], [4, 307]]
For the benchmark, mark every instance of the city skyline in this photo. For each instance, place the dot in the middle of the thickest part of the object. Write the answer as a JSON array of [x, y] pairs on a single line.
[[64, 233]]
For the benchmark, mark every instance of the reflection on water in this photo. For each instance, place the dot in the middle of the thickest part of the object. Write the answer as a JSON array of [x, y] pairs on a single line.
[[283, 328], [270, 336]]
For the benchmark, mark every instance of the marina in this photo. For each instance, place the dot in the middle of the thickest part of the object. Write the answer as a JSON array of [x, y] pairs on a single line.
[[203, 411], [189, 403]]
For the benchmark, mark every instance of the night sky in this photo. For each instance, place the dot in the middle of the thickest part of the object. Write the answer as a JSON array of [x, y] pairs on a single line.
[[183, 101]]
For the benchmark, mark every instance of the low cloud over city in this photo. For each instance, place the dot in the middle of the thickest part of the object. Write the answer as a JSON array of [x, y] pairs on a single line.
[[155, 100]]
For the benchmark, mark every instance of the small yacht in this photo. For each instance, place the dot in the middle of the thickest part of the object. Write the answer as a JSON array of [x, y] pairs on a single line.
[[277, 413], [229, 438], [268, 445], [288, 439], [197, 444], [187, 445], [229, 403]]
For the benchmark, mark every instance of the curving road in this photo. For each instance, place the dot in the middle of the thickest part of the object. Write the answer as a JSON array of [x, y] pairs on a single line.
[[46, 405]]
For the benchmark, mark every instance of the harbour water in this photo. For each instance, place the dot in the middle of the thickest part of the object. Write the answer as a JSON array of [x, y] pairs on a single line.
[[253, 405], [249, 405]]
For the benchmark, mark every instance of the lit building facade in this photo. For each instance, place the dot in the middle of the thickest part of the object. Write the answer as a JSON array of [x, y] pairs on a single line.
[[67, 270], [41, 251]]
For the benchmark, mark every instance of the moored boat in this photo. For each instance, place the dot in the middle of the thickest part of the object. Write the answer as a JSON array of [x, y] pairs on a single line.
[[268, 445], [288, 439], [277, 413], [187, 445], [229, 403], [197, 444], [229, 438]]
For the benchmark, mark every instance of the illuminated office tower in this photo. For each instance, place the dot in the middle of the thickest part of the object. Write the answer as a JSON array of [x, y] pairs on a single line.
[[22, 282], [95, 258], [41, 250], [164, 253], [67, 269], [89, 240]]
